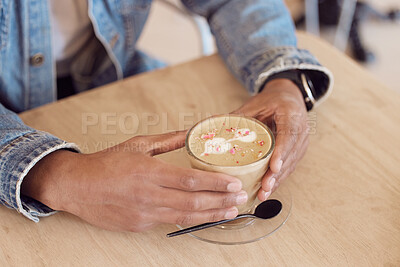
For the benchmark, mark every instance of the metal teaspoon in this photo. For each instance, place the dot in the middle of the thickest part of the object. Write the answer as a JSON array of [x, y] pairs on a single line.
[[265, 210]]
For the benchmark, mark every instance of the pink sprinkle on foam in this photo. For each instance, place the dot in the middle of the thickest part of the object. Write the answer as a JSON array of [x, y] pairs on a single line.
[[209, 135], [232, 151]]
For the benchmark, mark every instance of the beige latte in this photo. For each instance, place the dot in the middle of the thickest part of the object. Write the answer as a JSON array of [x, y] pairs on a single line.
[[235, 145]]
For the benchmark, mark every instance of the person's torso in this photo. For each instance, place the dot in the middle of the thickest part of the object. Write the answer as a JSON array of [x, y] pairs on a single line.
[[27, 66], [70, 29]]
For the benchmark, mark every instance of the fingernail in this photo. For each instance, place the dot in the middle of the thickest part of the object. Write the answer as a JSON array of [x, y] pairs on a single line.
[[231, 213], [280, 163], [267, 194], [271, 183], [234, 187], [241, 198]]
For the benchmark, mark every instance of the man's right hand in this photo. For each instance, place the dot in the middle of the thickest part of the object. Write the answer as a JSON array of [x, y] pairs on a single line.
[[124, 188]]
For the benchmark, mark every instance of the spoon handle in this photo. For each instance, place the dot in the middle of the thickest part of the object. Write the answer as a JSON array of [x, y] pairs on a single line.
[[206, 225]]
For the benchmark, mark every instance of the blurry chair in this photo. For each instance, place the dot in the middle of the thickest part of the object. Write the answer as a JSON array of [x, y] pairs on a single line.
[[347, 16]]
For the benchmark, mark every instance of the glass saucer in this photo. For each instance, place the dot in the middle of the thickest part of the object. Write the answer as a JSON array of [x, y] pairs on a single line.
[[254, 230]]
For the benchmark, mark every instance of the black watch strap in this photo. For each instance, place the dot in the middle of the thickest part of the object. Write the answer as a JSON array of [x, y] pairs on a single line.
[[302, 81]]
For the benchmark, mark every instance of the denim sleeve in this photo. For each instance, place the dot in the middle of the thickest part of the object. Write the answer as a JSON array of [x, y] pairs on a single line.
[[256, 39], [20, 148]]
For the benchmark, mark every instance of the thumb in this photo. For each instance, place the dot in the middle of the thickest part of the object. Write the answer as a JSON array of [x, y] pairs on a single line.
[[249, 109], [240, 111], [163, 143]]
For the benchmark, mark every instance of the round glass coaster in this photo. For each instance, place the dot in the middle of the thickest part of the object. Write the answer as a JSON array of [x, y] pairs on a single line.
[[253, 230]]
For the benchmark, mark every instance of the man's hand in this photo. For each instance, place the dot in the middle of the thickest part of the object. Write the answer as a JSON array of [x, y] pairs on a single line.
[[125, 188], [281, 106]]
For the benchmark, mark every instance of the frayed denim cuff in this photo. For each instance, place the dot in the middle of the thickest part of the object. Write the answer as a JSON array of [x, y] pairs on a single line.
[[16, 160], [280, 59]]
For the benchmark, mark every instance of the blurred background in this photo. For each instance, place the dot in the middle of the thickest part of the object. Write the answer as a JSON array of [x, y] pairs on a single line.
[[370, 34]]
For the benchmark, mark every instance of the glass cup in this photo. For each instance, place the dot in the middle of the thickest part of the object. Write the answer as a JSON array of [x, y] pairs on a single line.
[[250, 174]]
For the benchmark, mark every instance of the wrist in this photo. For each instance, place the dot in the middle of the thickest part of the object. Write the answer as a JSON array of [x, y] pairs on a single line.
[[46, 181], [302, 82], [283, 85]]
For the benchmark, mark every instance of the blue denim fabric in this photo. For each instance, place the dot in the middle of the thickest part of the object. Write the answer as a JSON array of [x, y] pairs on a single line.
[[256, 38], [21, 147]]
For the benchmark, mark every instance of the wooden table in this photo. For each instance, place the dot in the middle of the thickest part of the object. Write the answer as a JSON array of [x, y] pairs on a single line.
[[346, 191]]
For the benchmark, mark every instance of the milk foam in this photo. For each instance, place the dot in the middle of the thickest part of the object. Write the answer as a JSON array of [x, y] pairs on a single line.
[[221, 145]]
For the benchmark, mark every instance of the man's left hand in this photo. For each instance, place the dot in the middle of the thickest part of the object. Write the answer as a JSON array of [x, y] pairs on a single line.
[[281, 106]]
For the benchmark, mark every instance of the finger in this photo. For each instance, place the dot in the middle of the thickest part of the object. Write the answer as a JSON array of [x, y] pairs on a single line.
[[194, 180], [289, 129], [288, 170], [251, 108], [254, 108], [271, 180], [247, 110], [263, 195], [198, 201], [292, 160], [268, 183], [173, 216], [157, 144]]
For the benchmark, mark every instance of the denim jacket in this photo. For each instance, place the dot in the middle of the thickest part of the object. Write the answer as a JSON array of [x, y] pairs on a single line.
[[256, 38]]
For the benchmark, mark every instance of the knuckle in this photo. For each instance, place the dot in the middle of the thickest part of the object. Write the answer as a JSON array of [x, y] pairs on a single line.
[[192, 204], [187, 182], [214, 216], [226, 202], [140, 199], [139, 217], [136, 198], [295, 129], [265, 184], [217, 184], [184, 219]]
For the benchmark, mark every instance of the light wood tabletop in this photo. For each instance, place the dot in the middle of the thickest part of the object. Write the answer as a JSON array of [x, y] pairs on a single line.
[[346, 190]]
